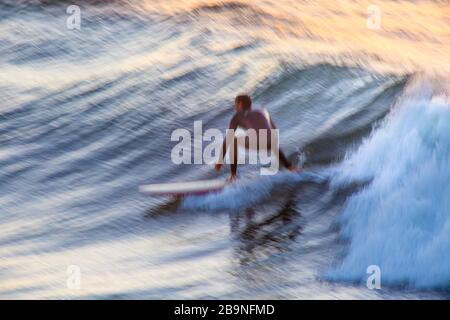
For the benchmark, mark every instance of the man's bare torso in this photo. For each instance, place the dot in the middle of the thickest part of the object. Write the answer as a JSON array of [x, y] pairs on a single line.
[[251, 119]]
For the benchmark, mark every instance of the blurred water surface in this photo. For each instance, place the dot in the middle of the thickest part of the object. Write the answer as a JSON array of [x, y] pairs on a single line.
[[86, 117]]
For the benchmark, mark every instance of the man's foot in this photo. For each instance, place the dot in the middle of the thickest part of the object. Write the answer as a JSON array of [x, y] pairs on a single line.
[[293, 168], [231, 179]]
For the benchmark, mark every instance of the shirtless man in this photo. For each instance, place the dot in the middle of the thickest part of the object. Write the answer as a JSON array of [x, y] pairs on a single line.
[[247, 118]]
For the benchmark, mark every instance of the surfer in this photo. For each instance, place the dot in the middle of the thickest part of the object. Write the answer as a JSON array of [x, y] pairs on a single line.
[[248, 118]]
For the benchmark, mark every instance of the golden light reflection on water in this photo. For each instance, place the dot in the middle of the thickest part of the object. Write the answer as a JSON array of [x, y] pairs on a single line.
[[411, 34]]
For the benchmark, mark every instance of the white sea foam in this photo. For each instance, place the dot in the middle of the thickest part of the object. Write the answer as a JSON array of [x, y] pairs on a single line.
[[247, 192], [401, 220]]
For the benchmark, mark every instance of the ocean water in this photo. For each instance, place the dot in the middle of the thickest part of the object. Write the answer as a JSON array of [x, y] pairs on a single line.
[[86, 116]]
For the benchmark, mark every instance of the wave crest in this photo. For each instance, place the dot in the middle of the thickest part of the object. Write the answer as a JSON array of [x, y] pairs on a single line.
[[401, 220]]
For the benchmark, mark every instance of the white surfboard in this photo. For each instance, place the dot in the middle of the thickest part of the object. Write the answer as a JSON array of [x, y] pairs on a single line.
[[183, 188]]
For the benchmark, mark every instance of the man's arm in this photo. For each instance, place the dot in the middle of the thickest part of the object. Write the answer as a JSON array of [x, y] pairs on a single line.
[[272, 124], [227, 141]]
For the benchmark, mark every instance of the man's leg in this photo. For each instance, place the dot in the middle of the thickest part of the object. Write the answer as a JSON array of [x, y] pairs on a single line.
[[234, 158], [283, 159], [275, 149]]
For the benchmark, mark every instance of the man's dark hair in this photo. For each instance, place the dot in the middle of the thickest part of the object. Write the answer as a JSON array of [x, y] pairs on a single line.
[[245, 99]]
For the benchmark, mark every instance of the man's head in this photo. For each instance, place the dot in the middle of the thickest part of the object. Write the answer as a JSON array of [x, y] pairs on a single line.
[[242, 102]]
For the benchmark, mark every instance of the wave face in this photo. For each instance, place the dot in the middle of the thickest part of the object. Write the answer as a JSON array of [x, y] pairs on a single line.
[[401, 220]]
